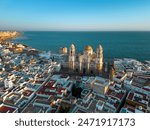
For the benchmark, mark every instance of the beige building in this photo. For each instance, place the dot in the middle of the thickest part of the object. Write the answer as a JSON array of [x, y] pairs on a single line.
[[98, 84], [63, 50], [87, 62]]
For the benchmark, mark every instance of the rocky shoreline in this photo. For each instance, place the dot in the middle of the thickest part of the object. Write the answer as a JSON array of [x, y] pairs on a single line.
[[6, 35]]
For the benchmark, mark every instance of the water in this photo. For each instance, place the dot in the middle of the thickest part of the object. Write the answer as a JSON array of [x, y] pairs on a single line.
[[115, 44]]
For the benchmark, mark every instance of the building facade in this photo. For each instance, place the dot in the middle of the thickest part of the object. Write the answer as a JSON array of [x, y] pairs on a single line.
[[88, 62]]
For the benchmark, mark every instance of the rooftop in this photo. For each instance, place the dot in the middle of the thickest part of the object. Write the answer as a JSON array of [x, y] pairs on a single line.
[[7, 109], [138, 98]]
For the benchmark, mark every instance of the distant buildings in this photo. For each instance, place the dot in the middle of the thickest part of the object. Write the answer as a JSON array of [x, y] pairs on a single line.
[[63, 50], [8, 35]]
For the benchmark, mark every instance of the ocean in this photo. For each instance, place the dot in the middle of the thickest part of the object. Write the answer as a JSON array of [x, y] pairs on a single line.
[[115, 44]]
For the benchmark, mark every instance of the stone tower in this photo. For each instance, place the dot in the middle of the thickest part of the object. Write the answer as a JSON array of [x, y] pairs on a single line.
[[80, 63], [112, 71], [72, 57], [88, 63], [99, 59]]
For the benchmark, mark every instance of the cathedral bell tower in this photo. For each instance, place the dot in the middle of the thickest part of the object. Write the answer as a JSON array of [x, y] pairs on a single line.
[[99, 59], [72, 57]]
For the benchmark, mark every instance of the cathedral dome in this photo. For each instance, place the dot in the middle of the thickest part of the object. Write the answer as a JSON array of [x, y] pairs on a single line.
[[88, 49]]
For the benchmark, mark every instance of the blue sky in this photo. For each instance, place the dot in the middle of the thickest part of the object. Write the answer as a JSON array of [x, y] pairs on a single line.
[[75, 15]]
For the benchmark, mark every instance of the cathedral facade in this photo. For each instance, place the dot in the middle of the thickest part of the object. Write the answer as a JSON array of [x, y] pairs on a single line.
[[89, 62]]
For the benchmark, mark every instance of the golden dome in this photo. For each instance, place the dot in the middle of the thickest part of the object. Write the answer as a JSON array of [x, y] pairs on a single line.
[[64, 50], [88, 49]]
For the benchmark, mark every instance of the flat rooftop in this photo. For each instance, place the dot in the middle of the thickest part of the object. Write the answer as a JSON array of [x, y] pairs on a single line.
[[7, 109]]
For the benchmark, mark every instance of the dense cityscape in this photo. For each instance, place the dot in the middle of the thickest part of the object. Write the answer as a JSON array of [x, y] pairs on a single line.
[[33, 81]]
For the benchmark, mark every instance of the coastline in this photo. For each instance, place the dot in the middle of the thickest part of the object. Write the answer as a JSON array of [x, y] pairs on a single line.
[[115, 44], [4, 36], [33, 78], [18, 35], [8, 37]]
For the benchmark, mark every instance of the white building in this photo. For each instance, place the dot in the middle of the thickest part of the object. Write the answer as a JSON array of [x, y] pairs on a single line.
[[8, 83]]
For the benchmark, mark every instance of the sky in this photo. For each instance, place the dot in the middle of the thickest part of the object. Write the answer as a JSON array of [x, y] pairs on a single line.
[[75, 15]]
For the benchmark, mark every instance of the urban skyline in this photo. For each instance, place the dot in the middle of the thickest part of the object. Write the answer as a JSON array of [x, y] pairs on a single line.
[[35, 81]]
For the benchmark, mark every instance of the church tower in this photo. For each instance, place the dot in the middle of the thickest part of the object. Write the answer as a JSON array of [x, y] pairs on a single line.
[[112, 71], [72, 57], [80, 63], [99, 59]]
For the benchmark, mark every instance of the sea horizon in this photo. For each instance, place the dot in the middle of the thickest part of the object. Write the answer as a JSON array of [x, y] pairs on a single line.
[[75, 30], [116, 44]]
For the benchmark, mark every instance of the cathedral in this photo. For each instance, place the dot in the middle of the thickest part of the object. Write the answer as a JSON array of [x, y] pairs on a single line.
[[89, 62]]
